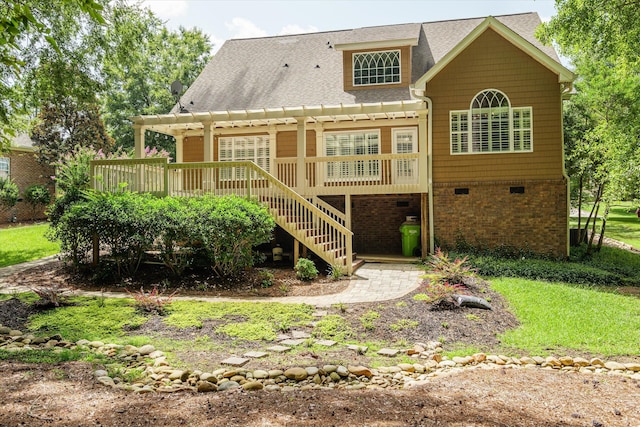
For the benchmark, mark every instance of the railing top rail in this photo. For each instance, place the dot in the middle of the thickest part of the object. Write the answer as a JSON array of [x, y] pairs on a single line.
[[386, 156], [150, 160], [198, 165]]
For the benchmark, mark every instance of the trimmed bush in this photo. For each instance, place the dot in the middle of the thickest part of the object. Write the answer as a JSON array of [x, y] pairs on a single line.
[[37, 196], [9, 194], [127, 225], [306, 269]]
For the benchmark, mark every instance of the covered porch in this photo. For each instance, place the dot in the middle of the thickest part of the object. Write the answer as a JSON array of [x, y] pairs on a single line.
[[287, 149]]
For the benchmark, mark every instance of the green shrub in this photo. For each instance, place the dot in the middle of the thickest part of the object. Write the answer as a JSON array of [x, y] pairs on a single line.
[[228, 228], [306, 269], [9, 194], [538, 269], [37, 196], [224, 229]]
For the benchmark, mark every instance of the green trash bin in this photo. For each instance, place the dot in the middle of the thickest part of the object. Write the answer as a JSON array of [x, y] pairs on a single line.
[[410, 237]]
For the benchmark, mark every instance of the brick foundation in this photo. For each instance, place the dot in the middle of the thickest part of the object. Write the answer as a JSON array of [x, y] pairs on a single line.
[[499, 213], [376, 220]]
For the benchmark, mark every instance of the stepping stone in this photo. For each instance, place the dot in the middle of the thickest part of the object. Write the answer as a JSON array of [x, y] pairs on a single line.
[[319, 313], [292, 342], [300, 334], [279, 348], [255, 354], [361, 349], [326, 343], [388, 352], [281, 337], [235, 361]]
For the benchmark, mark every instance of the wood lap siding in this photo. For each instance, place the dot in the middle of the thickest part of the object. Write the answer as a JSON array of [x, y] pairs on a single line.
[[193, 149], [491, 62], [287, 144]]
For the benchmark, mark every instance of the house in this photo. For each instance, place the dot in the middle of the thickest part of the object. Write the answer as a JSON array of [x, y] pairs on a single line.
[[19, 163], [456, 122]]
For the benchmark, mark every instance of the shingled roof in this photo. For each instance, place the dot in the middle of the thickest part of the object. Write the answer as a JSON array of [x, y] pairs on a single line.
[[306, 69]]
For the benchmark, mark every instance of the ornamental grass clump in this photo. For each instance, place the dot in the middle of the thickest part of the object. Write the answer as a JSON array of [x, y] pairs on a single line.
[[442, 269], [152, 301]]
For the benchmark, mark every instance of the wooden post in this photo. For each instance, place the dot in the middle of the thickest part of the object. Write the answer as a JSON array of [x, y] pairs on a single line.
[[96, 250], [424, 224], [296, 251], [301, 152]]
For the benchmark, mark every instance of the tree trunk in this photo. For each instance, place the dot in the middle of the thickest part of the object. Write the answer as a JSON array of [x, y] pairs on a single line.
[[580, 187], [602, 229]]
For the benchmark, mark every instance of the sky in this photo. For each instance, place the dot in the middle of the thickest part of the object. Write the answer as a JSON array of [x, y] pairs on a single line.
[[223, 20]]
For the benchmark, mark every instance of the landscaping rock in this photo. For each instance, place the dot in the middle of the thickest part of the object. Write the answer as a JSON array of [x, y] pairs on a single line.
[[146, 350], [360, 371], [297, 374], [252, 386], [235, 361], [206, 387], [228, 385]]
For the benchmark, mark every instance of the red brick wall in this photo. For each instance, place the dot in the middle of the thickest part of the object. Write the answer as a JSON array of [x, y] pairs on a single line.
[[490, 215], [25, 171], [376, 220]]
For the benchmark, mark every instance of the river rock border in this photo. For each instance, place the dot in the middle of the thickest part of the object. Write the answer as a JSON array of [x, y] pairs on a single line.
[[154, 374]]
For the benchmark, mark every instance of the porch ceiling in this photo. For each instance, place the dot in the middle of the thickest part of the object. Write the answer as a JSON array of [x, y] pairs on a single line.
[[179, 122]]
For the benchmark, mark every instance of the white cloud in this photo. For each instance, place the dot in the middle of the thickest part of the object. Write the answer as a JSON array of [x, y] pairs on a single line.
[[242, 28], [297, 29]]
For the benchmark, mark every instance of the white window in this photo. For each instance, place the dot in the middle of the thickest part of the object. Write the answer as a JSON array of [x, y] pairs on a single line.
[[491, 125], [405, 141], [376, 68], [4, 167], [241, 148], [357, 143]]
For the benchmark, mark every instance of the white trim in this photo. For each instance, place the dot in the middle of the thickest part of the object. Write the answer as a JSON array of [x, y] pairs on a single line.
[[353, 68], [382, 44], [564, 75]]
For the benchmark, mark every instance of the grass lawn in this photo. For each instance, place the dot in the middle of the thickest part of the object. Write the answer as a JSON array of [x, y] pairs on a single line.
[[622, 225], [22, 244], [556, 316]]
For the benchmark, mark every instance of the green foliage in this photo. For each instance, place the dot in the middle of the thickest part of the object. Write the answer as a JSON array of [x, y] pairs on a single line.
[[22, 244], [442, 269], [368, 320], [37, 196], [558, 318], [228, 228], [335, 271], [85, 320], [333, 327], [44, 356], [260, 321], [9, 194], [151, 302], [65, 124], [266, 278], [403, 324], [306, 269], [223, 229]]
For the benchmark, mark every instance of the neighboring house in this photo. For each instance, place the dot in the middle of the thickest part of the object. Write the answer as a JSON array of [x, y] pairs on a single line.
[[456, 122], [19, 163]]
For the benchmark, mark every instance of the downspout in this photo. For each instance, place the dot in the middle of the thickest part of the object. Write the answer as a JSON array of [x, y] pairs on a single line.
[[565, 94], [419, 94]]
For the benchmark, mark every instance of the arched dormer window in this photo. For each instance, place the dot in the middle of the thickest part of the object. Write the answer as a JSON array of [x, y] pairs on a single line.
[[376, 68], [491, 125]]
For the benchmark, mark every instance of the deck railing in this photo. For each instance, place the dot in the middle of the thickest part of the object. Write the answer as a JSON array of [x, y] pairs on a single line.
[[314, 227], [367, 174]]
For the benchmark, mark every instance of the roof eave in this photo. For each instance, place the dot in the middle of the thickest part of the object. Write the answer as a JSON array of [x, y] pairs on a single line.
[[380, 44], [564, 75]]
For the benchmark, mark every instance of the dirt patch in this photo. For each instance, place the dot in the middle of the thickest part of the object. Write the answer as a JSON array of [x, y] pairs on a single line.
[[66, 395]]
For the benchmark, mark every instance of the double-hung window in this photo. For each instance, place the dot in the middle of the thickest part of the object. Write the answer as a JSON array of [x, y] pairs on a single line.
[[376, 68], [491, 125], [4, 167], [356, 143], [241, 148]]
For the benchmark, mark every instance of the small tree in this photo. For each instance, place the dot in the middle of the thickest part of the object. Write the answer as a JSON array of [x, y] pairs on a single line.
[[8, 194], [37, 196]]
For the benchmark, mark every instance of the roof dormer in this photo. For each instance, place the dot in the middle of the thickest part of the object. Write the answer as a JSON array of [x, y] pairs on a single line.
[[377, 64]]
